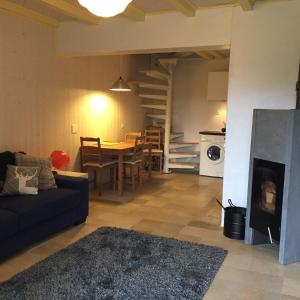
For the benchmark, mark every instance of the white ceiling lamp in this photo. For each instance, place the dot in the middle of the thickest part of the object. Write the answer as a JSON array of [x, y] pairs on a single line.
[[105, 8]]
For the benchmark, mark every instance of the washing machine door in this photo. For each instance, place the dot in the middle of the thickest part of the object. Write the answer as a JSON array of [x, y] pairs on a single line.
[[215, 153]]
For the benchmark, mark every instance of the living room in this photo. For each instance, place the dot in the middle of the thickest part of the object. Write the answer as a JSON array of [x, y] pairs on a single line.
[[54, 76]]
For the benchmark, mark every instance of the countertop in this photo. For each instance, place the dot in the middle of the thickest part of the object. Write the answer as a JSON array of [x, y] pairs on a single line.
[[213, 133]]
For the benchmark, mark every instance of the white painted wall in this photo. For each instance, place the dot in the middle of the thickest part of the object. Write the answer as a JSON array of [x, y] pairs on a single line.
[[41, 95], [209, 27], [191, 111], [263, 71]]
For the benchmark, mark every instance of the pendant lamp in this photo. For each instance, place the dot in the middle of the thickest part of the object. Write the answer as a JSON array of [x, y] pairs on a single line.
[[105, 8], [120, 85]]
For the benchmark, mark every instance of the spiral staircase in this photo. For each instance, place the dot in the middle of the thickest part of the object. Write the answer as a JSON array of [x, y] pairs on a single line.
[[156, 94]]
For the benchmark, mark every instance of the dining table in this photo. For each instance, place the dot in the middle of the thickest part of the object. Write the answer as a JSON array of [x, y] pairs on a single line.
[[120, 150]]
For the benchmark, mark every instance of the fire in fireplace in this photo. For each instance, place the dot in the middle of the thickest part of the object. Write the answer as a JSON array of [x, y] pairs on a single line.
[[267, 195]]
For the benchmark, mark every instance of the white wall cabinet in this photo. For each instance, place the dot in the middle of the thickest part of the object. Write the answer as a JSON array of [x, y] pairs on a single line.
[[217, 89]]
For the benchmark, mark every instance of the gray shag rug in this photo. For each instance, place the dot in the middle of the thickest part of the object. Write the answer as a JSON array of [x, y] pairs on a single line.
[[113, 263]]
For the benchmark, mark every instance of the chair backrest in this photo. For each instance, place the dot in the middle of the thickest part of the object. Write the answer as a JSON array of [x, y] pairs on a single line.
[[130, 136], [139, 147], [90, 150], [153, 136]]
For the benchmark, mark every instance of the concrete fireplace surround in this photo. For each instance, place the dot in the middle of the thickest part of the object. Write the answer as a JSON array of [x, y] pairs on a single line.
[[276, 137]]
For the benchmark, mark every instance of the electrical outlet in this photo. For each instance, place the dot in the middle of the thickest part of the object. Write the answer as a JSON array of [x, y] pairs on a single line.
[[74, 128]]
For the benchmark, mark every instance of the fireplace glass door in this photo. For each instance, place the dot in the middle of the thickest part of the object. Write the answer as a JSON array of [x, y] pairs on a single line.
[[266, 198]]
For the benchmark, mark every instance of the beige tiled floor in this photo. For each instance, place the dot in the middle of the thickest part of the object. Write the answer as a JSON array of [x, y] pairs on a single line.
[[181, 206]]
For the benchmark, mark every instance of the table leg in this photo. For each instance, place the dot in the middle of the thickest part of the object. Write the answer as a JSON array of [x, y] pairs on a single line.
[[121, 175]]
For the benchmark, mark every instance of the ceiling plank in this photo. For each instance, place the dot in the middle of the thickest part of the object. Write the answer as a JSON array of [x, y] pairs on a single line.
[[185, 6], [247, 4], [134, 13], [32, 15], [73, 11]]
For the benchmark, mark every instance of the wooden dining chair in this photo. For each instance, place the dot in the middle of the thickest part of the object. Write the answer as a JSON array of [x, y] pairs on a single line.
[[92, 159], [130, 136], [135, 162], [153, 136]]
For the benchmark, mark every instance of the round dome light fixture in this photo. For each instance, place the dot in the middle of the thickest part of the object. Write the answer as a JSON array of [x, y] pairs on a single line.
[[105, 8]]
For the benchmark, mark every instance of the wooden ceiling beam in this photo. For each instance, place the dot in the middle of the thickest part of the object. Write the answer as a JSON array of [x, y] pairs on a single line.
[[27, 13], [73, 11], [204, 55], [184, 54], [217, 54], [134, 13], [247, 4], [184, 6]]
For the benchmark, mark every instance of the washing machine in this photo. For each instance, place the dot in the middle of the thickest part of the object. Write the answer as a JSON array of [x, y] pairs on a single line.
[[212, 153]]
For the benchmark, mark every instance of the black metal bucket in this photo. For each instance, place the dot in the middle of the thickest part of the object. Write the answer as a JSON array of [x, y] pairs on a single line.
[[234, 221]]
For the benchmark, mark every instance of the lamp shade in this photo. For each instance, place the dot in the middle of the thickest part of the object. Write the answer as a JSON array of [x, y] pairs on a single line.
[[105, 8], [120, 86]]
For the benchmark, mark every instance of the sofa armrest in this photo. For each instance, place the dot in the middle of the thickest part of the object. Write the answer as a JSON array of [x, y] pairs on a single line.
[[69, 182], [76, 183]]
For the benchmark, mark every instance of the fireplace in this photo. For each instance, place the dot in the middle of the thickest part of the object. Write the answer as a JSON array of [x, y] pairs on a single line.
[[273, 201], [273, 190], [266, 197]]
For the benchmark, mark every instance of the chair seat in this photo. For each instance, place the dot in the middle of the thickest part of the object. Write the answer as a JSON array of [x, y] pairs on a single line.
[[97, 165], [154, 151], [128, 154], [132, 162]]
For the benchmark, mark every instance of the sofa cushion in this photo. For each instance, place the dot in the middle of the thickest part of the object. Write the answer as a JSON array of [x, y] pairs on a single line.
[[21, 180], [46, 177], [34, 209], [8, 223]]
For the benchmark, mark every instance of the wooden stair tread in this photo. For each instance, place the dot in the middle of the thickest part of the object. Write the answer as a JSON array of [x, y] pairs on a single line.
[[183, 165], [156, 116], [151, 96], [148, 85], [176, 135], [184, 143], [154, 106], [185, 152], [156, 74]]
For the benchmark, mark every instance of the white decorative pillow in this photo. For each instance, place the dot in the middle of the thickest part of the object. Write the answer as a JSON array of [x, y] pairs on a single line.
[[21, 180], [46, 177]]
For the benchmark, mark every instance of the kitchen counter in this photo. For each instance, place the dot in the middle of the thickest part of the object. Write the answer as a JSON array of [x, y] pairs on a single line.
[[213, 133]]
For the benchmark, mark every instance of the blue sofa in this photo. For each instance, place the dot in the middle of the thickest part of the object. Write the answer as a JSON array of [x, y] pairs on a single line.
[[26, 219]]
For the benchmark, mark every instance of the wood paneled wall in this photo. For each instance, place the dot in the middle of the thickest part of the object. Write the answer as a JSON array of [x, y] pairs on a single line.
[[42, 95]]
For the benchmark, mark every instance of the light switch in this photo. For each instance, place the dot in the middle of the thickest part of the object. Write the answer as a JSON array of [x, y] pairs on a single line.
[[74, 128]]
